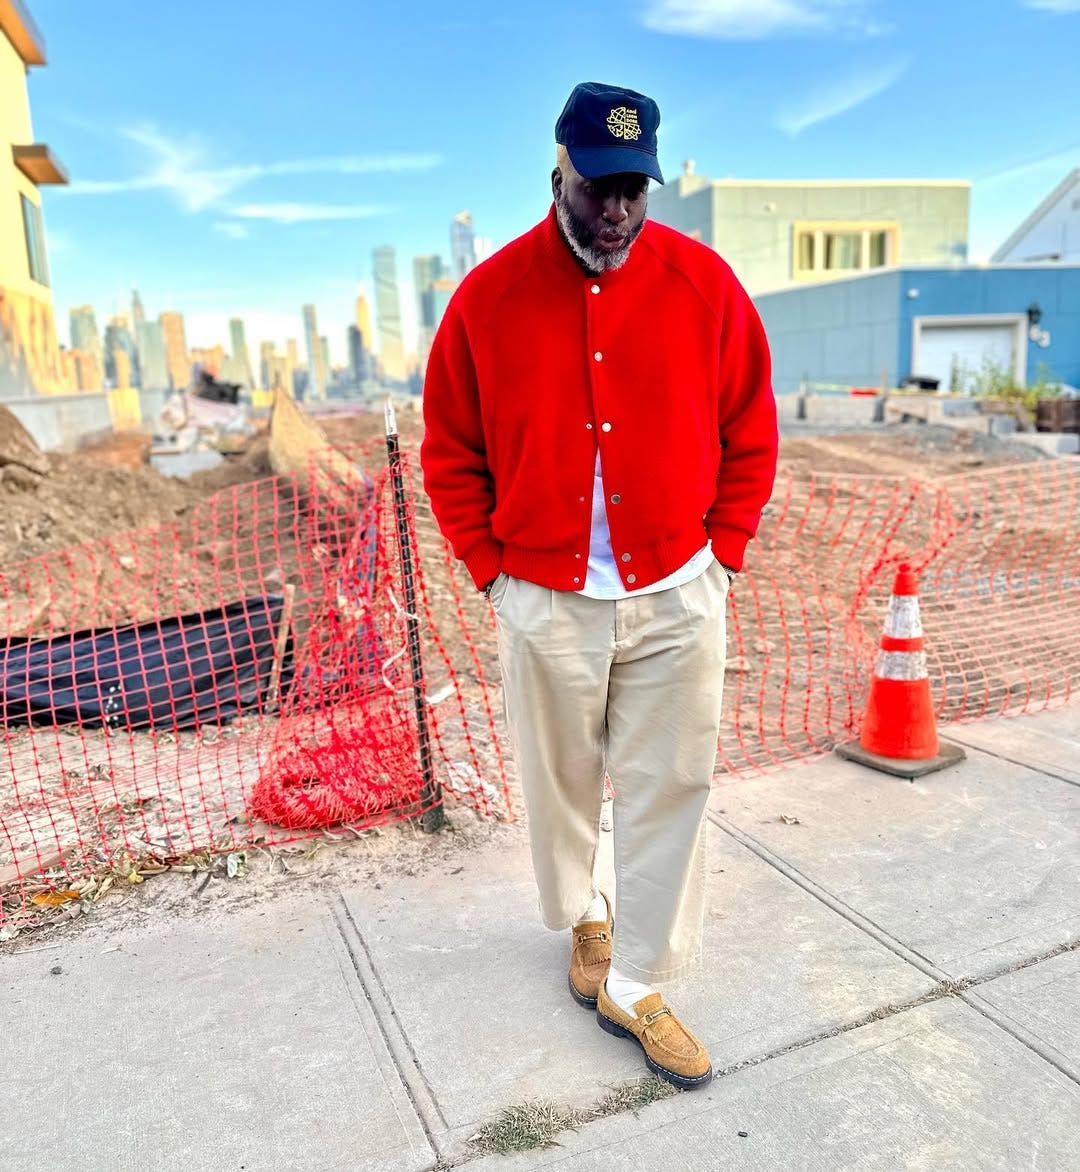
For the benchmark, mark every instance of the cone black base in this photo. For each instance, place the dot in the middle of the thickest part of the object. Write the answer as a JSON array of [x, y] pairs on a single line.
[[949, 754]]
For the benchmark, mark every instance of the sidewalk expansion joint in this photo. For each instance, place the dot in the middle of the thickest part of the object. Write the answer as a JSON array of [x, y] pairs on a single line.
[[946, 984], [1046, 772], [413, 1079]]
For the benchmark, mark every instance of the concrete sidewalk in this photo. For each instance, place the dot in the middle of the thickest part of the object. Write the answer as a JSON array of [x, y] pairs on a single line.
[[891, 980]]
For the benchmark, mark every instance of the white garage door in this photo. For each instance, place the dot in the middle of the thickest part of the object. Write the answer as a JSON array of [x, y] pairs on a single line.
[[964, 348]]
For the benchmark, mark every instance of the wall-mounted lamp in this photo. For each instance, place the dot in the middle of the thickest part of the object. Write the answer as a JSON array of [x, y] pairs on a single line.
[[912, 294], [1034, 314]]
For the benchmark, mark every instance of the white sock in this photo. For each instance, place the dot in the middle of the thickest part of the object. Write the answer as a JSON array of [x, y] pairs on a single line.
[[597, 910], [625, 991]]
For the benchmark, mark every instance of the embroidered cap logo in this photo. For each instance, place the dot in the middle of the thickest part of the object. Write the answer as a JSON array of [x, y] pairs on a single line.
[[623, 123]]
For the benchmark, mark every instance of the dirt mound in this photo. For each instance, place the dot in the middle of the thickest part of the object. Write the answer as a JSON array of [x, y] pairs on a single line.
[[17, 446], [917, 451], [83, 498]]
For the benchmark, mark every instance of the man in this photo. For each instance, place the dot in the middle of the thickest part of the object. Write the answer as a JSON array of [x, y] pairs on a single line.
[[600, 441]]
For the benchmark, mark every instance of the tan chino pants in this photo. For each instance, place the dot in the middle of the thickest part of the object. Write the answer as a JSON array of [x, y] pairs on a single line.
[[631, 687]]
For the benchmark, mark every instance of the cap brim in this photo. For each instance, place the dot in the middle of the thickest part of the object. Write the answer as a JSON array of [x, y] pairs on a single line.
[[598, 162]]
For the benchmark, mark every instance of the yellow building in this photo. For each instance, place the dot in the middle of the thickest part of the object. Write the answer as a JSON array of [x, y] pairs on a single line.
[[176, 351], [123, 368], [29, 354]]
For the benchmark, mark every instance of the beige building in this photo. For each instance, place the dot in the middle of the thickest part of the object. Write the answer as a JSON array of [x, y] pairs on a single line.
[[776, 233], [176, 352], [29, 353]]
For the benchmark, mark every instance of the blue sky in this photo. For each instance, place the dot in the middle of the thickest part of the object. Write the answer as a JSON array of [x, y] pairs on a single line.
[[234, 158]]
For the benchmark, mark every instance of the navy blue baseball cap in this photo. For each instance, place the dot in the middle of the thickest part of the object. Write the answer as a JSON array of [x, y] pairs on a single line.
[[608, 130]]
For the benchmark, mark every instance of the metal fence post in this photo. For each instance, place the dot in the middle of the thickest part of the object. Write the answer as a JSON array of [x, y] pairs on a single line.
[[433, 817]]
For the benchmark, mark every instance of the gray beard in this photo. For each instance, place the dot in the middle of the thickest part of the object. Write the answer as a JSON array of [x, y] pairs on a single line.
[[595, 260]]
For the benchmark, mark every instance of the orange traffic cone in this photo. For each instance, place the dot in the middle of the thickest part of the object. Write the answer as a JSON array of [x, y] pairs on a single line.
[[899, 734]]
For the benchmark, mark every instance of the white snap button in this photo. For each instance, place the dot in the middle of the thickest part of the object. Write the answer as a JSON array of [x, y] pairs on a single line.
[[596, 288], [588, 427], [605, 426], [578, 556], [576, 581], [631, 578], [598, 356], [615, 498], [625, 557]]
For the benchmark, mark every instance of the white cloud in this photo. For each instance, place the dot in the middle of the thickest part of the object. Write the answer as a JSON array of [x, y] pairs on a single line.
[[1061, 7], [231, 230], [837, 96], [746, 20], [301, 213], [179, 167]]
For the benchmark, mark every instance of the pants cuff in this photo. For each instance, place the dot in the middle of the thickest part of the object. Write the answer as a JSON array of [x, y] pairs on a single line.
[[656, 976]]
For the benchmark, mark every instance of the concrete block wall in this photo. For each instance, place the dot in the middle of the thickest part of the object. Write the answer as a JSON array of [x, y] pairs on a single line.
[[60, 422]]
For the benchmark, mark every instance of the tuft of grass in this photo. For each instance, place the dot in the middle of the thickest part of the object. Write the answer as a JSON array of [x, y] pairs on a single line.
[[528, 1127], [525, 1127], [632, 1096]]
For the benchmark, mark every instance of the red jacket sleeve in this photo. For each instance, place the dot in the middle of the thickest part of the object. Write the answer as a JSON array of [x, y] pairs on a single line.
[[453, 455], [748, 430]]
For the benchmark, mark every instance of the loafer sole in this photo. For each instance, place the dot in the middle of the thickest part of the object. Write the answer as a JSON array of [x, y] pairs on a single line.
[[678, 1080], [580, 998]]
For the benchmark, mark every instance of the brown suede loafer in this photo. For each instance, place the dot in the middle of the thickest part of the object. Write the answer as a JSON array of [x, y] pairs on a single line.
[[590, 958], [671, 1050]]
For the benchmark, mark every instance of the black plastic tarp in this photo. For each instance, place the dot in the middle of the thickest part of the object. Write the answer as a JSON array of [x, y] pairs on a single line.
[[173, 673]]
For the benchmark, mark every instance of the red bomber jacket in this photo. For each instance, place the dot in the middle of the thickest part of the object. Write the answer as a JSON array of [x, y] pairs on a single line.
[[662, 364]]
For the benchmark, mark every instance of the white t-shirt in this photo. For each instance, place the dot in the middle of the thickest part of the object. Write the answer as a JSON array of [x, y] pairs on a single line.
[[602, 578]]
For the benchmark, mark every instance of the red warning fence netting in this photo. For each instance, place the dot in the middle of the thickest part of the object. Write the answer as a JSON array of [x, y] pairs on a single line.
[[243, 677]]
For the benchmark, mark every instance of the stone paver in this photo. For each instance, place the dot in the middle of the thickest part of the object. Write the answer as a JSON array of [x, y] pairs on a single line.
[[241, 1043], [974, 868], [937, 1087], [778, 967]]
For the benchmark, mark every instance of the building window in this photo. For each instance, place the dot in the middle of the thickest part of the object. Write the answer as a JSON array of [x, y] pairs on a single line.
[[35, 241], [823, 248]]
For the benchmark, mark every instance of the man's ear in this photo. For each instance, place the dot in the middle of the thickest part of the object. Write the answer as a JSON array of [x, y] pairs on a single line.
[[556, 182]]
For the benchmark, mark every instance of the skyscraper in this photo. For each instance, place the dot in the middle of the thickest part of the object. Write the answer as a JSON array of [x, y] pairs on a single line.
[[121, 365], [462, 247], [324, 349], [176, 351], [316, 367], [266, 365], [240, 367], [354, 348], [441, 292], [86, 339], [153, 359], [292, 353], [388, 310], [363, 319], [118, 339], [138, 314], [426, 271]]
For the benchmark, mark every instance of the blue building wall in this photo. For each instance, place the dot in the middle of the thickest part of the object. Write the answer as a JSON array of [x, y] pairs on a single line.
[[838, 332], [952, 292], [850, 331]]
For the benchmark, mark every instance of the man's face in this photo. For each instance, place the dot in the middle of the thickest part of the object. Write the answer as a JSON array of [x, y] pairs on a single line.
[[600, 218]]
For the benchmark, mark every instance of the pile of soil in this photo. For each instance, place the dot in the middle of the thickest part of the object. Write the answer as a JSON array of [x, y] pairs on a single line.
[[918, 451], [89, 495]]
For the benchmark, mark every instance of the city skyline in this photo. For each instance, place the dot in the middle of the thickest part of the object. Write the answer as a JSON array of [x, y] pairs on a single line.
[[282, 203]]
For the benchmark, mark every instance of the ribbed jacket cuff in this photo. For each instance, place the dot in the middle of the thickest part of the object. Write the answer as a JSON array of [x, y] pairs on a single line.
[[483, 562], [729, 546]]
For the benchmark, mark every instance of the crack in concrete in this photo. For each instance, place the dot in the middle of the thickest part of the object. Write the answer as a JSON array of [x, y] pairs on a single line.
[[1044, 770], [422, 1099], [961, 989]]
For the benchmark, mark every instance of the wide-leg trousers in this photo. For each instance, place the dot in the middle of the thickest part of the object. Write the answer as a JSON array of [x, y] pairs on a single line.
[[630, 687]]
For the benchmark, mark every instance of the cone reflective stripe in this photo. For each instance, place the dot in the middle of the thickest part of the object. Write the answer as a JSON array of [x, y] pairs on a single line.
[[899, 721]]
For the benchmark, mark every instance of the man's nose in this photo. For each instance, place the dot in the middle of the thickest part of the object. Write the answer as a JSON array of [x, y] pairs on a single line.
[[615, 210]]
